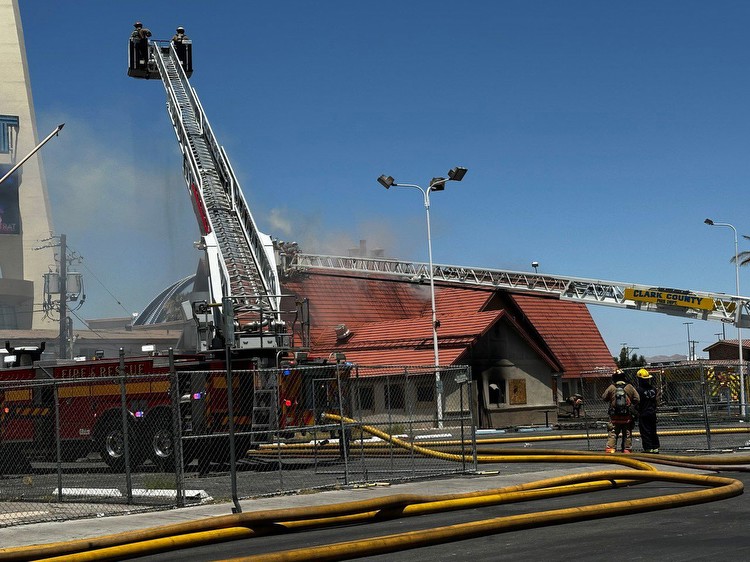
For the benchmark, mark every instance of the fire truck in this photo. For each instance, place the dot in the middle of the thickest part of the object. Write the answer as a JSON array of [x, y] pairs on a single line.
[[83, 403], [237, 324], [129, 409]]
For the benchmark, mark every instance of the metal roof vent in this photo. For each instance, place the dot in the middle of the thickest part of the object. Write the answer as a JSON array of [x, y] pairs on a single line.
[[343, 333]]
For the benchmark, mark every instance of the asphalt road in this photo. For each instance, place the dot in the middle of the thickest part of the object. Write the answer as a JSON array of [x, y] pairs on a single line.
[[716, 530]]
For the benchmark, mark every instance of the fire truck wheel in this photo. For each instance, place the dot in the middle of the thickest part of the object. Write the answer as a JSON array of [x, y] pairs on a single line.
[[112, 446], [161, 443]]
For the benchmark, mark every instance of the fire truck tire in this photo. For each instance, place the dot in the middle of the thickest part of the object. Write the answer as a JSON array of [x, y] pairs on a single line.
[[112, 445], [161, 441]]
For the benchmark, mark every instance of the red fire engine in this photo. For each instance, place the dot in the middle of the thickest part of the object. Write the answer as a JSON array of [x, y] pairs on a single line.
[[128, 407], [82, 402]]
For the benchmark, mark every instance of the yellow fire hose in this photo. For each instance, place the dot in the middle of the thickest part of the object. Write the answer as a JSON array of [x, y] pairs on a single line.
[[723, 488], [628, 460], [246, 525], [243, 526]]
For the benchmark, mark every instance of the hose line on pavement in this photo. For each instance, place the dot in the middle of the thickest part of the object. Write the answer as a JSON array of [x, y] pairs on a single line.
[[247, 525], [721, 488]]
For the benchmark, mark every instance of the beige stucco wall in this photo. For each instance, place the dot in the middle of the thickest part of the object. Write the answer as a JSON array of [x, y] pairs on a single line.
[[18, 258], [524, 393]]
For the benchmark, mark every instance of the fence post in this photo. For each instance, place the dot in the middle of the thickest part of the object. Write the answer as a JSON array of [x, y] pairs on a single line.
[[389, 397], [586, 410], [279, 421], [58, 445], [175, 399], [474, 416], [410, 416], [317, 418], [343, 442], [704, 393], [125, 429], [354, 390], [230, 415], [462, 379]]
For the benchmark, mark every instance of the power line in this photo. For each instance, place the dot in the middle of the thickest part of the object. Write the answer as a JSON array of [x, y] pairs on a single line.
[[82, 261]]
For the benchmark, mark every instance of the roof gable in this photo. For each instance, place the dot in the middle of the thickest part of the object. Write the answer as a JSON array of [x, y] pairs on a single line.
[[568, 330]]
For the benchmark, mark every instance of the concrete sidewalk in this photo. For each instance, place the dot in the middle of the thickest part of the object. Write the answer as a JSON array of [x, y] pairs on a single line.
[[48, 532]]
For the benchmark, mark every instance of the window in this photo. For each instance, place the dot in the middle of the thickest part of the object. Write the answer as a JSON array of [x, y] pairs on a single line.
[[366, 397], [426, 391], [517, 391], [8, 319], [497, 392], [394, 396]]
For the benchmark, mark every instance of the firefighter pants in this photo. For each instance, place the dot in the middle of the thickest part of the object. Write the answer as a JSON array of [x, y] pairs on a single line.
[[615, 429], [647, 427]]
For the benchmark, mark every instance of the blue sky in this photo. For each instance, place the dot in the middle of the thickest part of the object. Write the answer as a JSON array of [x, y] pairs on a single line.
[[598, 137]]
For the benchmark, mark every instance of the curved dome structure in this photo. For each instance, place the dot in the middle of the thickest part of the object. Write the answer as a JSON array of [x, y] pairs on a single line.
[[167, 305]]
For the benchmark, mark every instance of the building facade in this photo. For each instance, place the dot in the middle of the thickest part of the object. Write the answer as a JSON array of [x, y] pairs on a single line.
[[25, 218]]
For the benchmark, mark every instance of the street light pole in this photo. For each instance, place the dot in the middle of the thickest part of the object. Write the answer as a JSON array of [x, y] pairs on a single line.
[[34, 151], [709, 222], [437, 184]]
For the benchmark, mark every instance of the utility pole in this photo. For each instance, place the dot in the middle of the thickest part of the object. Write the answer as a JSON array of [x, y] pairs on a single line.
[[62, 347], [692, 348], [628, 350], [690, 355]]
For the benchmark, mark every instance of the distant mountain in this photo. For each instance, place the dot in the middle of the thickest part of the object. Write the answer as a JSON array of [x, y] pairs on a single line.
[[666, 358]]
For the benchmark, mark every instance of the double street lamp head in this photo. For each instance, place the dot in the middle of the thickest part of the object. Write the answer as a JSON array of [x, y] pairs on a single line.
[[436, 184], [386, 181], [457, 173]]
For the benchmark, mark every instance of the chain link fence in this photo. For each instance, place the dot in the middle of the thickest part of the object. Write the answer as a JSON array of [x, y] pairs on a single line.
[[108, 444], [700, 406], [100, 443]]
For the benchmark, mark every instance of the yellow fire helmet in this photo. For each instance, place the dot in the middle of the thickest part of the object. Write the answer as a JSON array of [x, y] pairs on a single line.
[[643, 374]]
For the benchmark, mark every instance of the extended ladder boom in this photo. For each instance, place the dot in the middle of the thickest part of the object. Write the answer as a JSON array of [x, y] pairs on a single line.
[[241, 261], [692, 304]]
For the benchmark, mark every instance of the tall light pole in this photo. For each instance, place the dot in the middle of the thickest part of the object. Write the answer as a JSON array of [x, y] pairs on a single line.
[[436, 184], [709, 222], [30, 154]]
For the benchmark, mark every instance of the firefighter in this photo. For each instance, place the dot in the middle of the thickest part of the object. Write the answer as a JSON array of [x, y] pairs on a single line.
[[181, 43], [139, 38], [179, 36], [575, 400], [647, 411], [622, 398]]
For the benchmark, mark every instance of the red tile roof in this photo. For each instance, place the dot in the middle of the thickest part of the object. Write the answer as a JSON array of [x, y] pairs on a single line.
[[335, 298], [391, 322], [569, 331], [730, 342]]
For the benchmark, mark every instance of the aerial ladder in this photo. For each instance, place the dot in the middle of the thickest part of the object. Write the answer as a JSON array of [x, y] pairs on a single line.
[[242, 308], [243, 266], [699, 305]]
